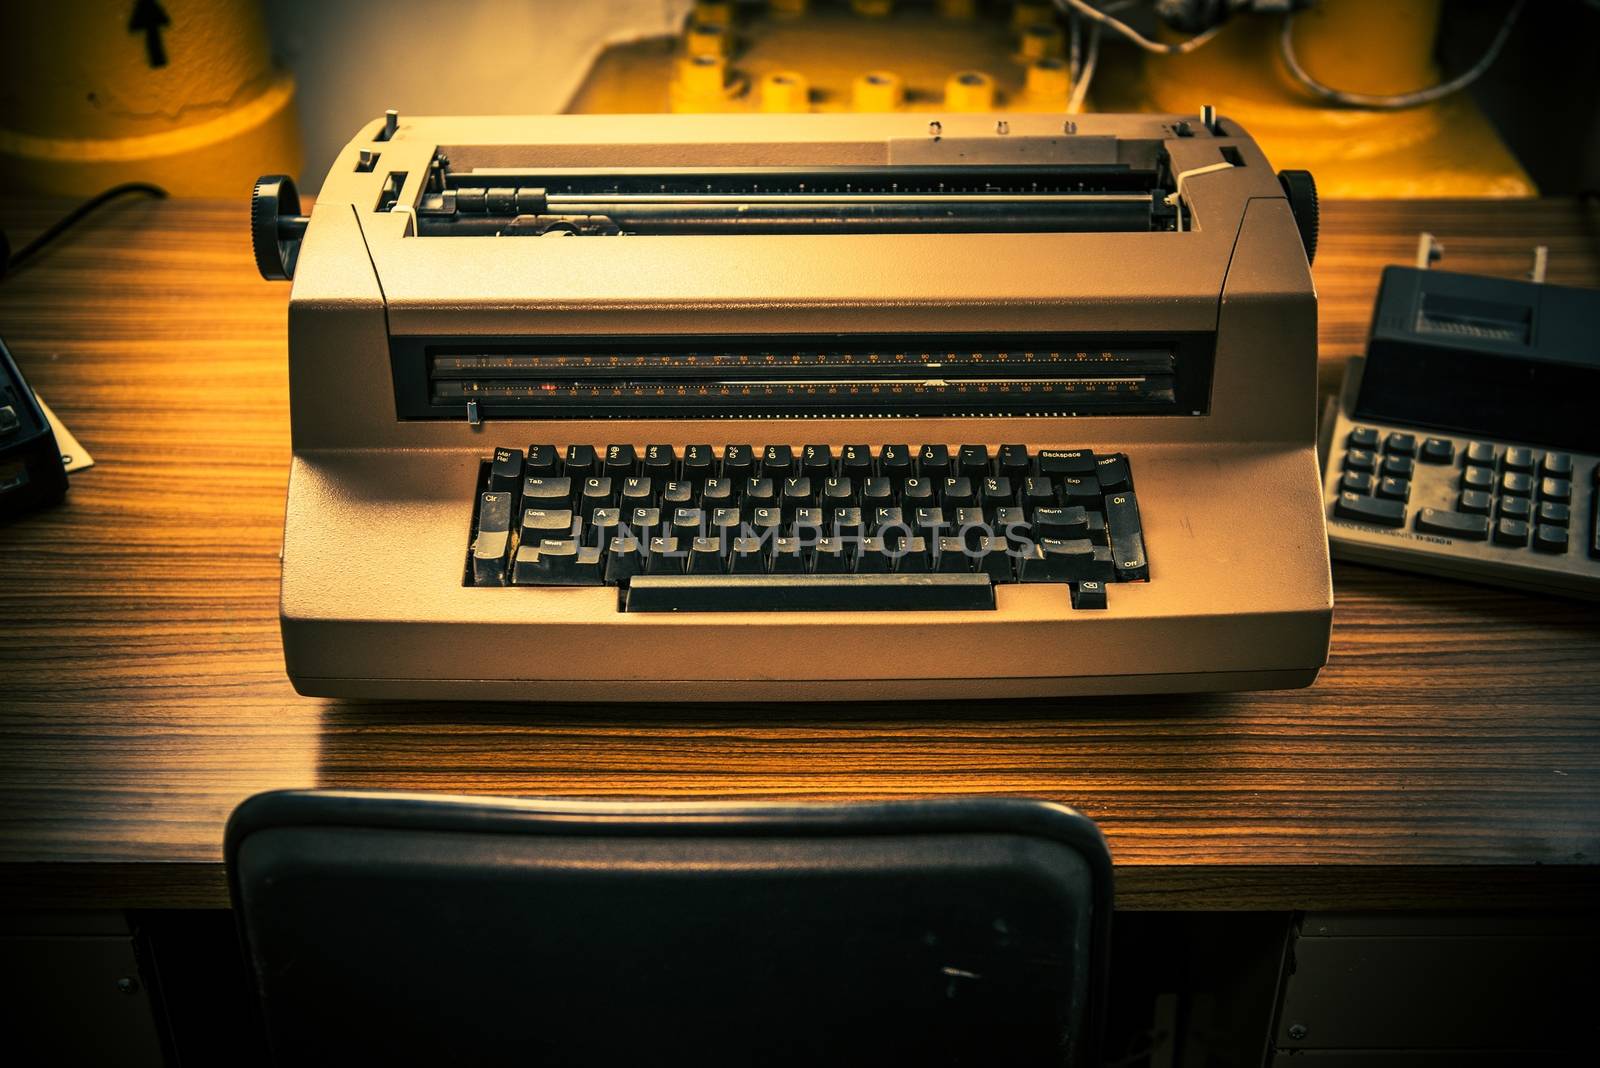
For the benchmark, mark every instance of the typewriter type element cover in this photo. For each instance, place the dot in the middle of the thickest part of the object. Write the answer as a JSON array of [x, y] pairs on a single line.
[[802, 407]]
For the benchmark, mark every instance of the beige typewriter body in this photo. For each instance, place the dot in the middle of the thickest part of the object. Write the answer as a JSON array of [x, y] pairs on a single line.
[[373, 601]]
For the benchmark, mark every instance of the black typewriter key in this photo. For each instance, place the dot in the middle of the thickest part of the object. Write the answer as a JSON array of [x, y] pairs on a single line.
[[890, 524], [1062, 463], [686, 523], [621, 460], [624, 559], [1400, 444], [875, 557], [541, 523], [677, 492], [1516, 484], [797, 493], [957, 492], [788, 557], [1550, 539], [1556, 465], [1363, 437], [1089, 595], [814, 518], [1038, 492], [816, 461], [1062, 523], [561, 562], [661, 462], [716, 493], [767, 521], [1518, 458], [838, 492], [964, 520], [543, 492], [1481, 454], [1112, 472], [1014, 462], [724, 523], [705, 556], [915, 558], [665, 556], [1081, 491], [748, 557], [493, 541], [1555, 489], [1360, 460], [1438, 451], [1009, 520], [991, 558], [933, 461], [995, 492], [1372, 510], [972, 461], [760, 493], [847, 524], [1511, 532], [1467, 527], [894, 462], [637, 491], [604, 524], [876, 491], [1515, 508], [542, 461], [1127, 536], [738, 461], [596, 493], [1097, 528], [700, 463], [951, 556], [777, 462], [1475, 502], [1555, 513], [830, 557], [581, 462], [1397, 466], [929, 523], [915, 491], [855, 461], [505, 471], [1396, 489], [644, 521], [1356, 482], [1477, 478], [1054, 560]]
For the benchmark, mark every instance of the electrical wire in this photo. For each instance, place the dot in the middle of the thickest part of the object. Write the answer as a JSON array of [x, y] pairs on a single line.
[[1401, 100], [75, 216], [1101, 17], [1080, 87]]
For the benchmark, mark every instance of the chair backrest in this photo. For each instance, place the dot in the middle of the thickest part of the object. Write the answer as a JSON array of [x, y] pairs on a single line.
[[407, 928]]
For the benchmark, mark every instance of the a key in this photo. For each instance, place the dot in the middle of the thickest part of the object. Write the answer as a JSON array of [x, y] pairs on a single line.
[[916, 491], [894, 462], [664, 556], [855, 461], [992, 558], [747, 557], [809, 593], [1396, 489], [876, 491], [1474, 502], [875, 557], [1013, 462], [1081, 491], [1480, 454], [972, 461], [644, 521], [838, 492], [1372, 510], [1518, 458], [604, 524], [1515, 508], [965, 520], [1360, 460], [1401, 444], [1516, 484], [1594, 513], [621, 460], [544, 492], [1127, 536], [1062, 523], [995, 492], [933, 461], [1097, 529], [847, 524], [1397, 466], [816, 461], [1356, 482], [1548, 538], [581, 462], [951, 556], [759, 493], [1512, 532], [1363, 437], [788, 557], [716, 493], [1477, 478], [542, 462], [1089, 594], [766, 521], [540, 523], [724, 523], [1555, 489], [677, 493], [660, 462], [777, 462], [738, 461], [1011, 523], [596, 493], [493, 542], [1077, 560], [705, 556], [796, 494], [624, 559], [699, 464], [1438, 451], [1453, 524], [686, 523], [812, 517], [1555, 513], [505, 471], [889, 524], [1556, 465], [1112, 471], [558, 562], [929, 523], [637, 491], [1063, 463], [958, 492], [830, 557], [914, 557]]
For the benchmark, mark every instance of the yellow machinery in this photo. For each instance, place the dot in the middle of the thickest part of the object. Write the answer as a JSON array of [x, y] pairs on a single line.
[[964, 55], [181, 93]]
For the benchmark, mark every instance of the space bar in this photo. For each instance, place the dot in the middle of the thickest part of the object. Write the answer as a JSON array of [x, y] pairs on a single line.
[[809, 593]]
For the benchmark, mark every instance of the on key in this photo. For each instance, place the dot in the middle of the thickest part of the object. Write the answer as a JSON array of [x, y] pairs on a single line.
[[1127, 536]]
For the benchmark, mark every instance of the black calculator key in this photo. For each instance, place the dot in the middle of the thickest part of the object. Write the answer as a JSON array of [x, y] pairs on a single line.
[[660, 462], [1356, 482], [817, 461], [1059, 463], [1360, 460], [738, 461], [1515, 508], [1397, 466], [1112, 472], [1512, 532], [505, 471], [1518, 458], [933, 461], [1370, 510], [972, 461], [1555, 489], [1363, 437], [1481, 454], [1477, 478], [1475, 502], [1453, 524], [621, 460], [855, 461], [1396, 489], [777, 462], [1438, 451], [1550, 539], [1555, 513], [1556, 465], [1013, 461], [545, 492], [894, 461], [1516, 484], [1400, 444], [542, 461], [1089, 594], [581, 461], [699, 464], [1127, 536]]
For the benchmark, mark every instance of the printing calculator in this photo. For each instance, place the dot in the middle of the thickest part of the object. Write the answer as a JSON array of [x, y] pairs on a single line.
[[1467, 444]]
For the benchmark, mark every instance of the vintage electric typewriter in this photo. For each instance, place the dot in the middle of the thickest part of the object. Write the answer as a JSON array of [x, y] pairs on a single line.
[[800, 407]]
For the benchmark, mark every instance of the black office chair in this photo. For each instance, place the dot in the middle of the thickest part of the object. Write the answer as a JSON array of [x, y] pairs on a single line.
[[406, 928]]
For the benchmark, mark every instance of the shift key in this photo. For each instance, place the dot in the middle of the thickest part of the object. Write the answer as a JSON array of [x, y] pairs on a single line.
[[1127, 536]]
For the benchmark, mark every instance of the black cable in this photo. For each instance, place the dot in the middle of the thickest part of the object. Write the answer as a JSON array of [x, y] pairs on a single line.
[[71, 219]]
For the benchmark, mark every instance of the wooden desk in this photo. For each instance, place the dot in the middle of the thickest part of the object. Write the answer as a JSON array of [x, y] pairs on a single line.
[[1448, 757]]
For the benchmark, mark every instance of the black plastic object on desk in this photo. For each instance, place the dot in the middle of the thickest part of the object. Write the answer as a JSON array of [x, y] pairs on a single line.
[[31, 472]]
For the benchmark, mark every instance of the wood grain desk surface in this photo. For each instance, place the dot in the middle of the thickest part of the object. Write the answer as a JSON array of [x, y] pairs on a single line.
[[1448, 756]]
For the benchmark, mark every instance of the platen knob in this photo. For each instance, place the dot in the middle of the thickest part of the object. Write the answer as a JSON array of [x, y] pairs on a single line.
[[276, 226], [1301, 189]]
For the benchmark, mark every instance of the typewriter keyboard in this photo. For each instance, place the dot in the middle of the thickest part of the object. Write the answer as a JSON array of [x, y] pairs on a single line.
[[786, 527]]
